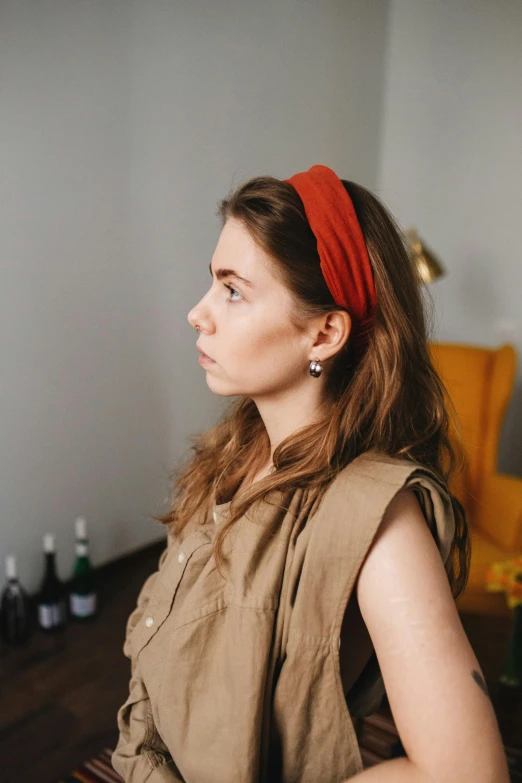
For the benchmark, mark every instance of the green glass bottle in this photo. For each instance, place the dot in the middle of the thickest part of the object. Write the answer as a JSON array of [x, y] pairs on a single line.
[[82, 590]]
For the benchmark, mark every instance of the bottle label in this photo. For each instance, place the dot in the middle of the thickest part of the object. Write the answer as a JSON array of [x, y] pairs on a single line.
[[83, 605], [50, 615], [81, 548]]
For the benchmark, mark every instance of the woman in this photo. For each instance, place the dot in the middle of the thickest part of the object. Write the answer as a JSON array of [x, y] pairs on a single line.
[[314, 549]]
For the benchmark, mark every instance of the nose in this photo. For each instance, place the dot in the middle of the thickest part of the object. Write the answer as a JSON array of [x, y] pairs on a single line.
[[198, 317], [192, 317]]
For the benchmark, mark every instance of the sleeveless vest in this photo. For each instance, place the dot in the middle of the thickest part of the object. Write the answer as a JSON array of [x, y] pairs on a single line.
[[236, 679]]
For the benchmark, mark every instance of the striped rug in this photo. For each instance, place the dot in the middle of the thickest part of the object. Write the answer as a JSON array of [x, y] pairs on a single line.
[[373, 749], [96, 770], [377, 745]]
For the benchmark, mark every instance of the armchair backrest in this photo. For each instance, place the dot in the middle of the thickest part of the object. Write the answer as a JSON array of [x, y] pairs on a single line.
[[479, 382]]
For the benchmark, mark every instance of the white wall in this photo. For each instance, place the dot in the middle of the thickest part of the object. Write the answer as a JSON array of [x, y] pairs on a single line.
[[451, 164], [123, 123]]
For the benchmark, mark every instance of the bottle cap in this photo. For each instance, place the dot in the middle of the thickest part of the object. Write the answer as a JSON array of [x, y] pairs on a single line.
[[81, 527], [48, 542], [10, 566]]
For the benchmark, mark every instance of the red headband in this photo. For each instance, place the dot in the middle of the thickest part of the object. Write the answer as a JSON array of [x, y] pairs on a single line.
[[345, 263]]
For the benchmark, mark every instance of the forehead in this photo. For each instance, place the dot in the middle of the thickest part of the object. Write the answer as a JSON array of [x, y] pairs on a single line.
[[237, 249]]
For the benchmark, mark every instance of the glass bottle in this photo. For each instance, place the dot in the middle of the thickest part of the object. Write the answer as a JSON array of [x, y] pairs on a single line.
[[82, 590], [15, 608], [51, 600]]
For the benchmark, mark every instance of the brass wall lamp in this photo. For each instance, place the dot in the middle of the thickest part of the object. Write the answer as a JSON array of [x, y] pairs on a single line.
[[426, 263]]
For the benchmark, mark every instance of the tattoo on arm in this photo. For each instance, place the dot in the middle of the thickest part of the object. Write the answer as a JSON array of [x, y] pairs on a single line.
[[480, 682]]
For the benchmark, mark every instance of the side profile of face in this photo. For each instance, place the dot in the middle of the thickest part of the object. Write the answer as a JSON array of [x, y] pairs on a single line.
[[245, 324]]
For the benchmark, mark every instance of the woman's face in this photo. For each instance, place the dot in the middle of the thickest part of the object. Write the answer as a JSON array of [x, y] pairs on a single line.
[[245, 327]]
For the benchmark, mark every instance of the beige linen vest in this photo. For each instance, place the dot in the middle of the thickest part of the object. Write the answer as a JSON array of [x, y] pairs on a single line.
[[236, 679]]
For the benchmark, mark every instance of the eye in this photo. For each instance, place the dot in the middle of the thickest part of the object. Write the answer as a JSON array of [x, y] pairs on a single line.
[[233, 291]]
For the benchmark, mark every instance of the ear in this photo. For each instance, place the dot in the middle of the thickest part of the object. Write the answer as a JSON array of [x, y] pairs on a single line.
[[332, 331]]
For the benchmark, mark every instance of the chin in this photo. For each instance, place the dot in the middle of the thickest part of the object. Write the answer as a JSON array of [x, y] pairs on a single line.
[[224, 389], [219, 388]]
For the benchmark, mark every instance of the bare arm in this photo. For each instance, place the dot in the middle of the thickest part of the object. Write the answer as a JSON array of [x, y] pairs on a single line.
[[435, 687]]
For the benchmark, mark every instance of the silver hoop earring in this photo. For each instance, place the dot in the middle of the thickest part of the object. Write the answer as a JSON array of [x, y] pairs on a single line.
[[316, 368]]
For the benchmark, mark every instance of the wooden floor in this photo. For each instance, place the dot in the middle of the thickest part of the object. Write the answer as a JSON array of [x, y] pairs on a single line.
[[59, 695]]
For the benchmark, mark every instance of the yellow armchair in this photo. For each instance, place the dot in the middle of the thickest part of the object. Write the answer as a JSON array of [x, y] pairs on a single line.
[[479, 382]]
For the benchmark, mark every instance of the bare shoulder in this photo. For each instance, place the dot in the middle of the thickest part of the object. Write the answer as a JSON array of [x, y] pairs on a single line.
[[435, 687]]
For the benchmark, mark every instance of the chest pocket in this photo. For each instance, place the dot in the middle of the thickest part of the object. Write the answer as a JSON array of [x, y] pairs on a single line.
[[163, 591]]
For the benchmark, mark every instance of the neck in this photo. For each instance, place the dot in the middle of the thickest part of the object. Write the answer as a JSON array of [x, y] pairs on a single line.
[[285, 414]]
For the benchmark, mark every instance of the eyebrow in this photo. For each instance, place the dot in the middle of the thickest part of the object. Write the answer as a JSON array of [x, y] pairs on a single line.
[[222, 273]]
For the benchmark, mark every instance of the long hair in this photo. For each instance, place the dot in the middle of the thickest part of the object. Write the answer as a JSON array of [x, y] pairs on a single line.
[[391, 399]]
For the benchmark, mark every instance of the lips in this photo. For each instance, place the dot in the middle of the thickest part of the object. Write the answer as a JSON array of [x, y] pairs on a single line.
[[204, 354]]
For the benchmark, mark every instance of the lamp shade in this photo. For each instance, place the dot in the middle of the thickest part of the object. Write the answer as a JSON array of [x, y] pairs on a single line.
[[426, 263]]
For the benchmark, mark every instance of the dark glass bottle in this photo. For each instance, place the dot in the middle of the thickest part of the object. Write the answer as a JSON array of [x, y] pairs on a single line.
[[51, 600], [16, 622], [82, 590]]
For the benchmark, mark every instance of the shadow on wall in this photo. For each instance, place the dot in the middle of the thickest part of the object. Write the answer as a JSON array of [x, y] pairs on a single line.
[[510, 451]]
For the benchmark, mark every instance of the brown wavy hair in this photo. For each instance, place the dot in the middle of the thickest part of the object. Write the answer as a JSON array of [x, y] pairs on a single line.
[[390, 400]]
